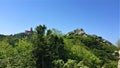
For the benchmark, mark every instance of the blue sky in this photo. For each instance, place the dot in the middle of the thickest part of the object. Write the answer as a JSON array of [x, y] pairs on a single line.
[[100, 17]]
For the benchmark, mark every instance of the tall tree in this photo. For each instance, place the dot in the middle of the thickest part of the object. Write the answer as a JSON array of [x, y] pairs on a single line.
[[40, 47], [56, 47]]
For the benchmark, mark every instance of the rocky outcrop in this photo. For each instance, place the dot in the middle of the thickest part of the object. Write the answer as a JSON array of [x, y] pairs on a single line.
[[81, 32], [76, 32]]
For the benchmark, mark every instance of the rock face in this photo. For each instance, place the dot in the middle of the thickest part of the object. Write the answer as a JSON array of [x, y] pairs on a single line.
[[79, 31], [76, 32]]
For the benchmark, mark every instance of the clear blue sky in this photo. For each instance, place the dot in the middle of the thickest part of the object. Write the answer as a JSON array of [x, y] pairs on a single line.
[[100, 17]]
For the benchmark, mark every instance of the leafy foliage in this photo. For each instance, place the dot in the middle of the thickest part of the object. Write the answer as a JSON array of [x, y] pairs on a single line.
[[51, 49], [12, 57]]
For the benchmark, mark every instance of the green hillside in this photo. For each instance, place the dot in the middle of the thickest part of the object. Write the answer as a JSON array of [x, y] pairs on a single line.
[[45, 48]]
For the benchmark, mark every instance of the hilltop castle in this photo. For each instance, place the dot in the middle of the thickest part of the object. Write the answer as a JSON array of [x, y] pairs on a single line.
[[29, 31], [76, 32]]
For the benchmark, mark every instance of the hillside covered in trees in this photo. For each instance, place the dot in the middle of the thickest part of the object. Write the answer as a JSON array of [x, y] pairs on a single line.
[[46, 48]]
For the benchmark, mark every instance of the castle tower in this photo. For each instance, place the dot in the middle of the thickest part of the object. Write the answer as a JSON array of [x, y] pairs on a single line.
[[29, 31]]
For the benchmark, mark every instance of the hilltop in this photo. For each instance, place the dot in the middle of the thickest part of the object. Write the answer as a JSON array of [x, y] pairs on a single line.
[[81, 32]]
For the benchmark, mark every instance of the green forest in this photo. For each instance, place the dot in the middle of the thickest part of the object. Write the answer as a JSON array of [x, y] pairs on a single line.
[[49, 48]]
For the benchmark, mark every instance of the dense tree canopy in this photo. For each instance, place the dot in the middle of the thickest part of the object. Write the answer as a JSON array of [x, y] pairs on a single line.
[[46, 48]]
